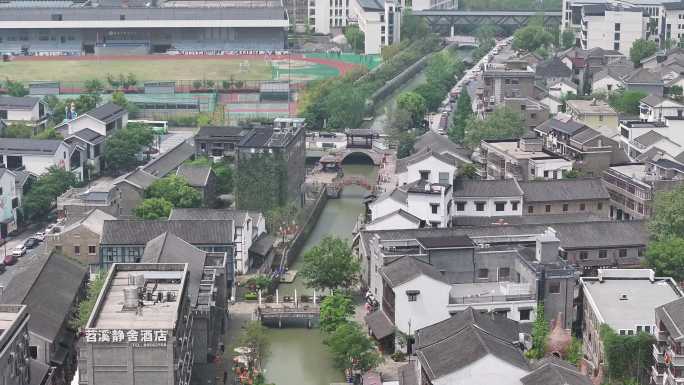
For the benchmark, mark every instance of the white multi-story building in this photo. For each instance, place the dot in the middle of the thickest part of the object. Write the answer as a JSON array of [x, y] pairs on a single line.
[[431, 202], [37, 155], [419, 5], [612, 27], [327, 14], [379, 21]]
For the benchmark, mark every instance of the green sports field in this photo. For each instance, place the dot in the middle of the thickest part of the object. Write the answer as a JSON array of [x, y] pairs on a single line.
[[167, 69]]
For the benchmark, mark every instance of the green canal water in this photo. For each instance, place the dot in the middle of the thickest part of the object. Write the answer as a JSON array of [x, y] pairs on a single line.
[[298, 356]]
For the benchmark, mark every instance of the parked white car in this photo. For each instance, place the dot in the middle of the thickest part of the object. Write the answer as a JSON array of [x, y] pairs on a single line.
[[19, 251]]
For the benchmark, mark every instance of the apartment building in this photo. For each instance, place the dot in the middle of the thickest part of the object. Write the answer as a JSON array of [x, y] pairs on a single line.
[[15, 368], [521, 159], [379, 20], [325, 15], [512, 79], [592, 151], [668, 350], [594, 113], [626, 301]]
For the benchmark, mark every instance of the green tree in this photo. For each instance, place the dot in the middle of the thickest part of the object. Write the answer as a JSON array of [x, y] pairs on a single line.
[[176, 190], [626, 101], [43, 193], [540, 331], [442, 68], [153, 208], [532, 37], [257, 343], [355, 37], [335, 311], [503, 123], [460, 117], [626, 357], [49, 133], [414, 104], [676, 91], [81, 104], [567, 39], [433, 94], [468, 170], [666, 257], [18, 130], [574, 353], [121, 147], [119, 98], [413, 27], [93, 86], [351, 349], [667, 220], [641, 48], [398, 121], [345, 106], [406, 141], [86, 306], [330, 265], [388, 51], [15, 88]]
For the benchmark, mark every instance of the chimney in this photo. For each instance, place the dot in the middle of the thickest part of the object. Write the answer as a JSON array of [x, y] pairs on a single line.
[[547, 245]]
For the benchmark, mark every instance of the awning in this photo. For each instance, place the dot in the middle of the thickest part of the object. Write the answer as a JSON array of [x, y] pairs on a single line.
[[379, 324], [262, 245]]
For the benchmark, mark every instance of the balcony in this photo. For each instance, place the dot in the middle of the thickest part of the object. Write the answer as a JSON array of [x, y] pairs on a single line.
[[669, 378], [658, 378], [490, 292], [658, 355], [677, 359]]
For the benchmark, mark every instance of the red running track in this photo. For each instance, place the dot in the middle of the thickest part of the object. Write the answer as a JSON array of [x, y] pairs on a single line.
[[342, 67]]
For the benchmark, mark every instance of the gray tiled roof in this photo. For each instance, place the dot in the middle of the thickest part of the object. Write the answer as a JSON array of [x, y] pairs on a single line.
[[449, 355], [652, 100], [379, 324], [407, 268], [553, 68], [505, 329], [137, 177], [88, 135], [402, 164], [575, 235], [196, 175], [48, 288], [672, 315], [486, 188], [207, 214], [106, 113], [441, 144], [168, 248], [643, 76], [585, 135], [221, 133], [569, 127], [170, 160], [524, 219], [401, 213], [21, 103], [564, 190], [18, 146], [552, 371], [139, 232]]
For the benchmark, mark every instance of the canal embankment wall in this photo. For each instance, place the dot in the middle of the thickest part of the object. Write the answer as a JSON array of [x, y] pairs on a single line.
[[312, 212]]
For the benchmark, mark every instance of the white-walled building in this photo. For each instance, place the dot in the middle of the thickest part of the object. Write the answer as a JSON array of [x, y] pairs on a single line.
[[487, 198], [327, 14], [428, 166], [25, 110], [431, 202], [9, 201], [654, 108], [625, 300], [607, 81], [607, 25], [379, 20], [522, 159], [37, 155], [103, 120], [249, 229]]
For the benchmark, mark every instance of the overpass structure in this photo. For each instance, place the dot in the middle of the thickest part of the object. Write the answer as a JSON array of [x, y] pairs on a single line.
[[443, 20]]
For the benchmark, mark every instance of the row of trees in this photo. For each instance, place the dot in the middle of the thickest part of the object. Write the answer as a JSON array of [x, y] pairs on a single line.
[[338, 103], [332, 266]]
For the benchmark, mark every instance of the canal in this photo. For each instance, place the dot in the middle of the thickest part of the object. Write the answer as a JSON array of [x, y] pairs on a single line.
[[298, 356]]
